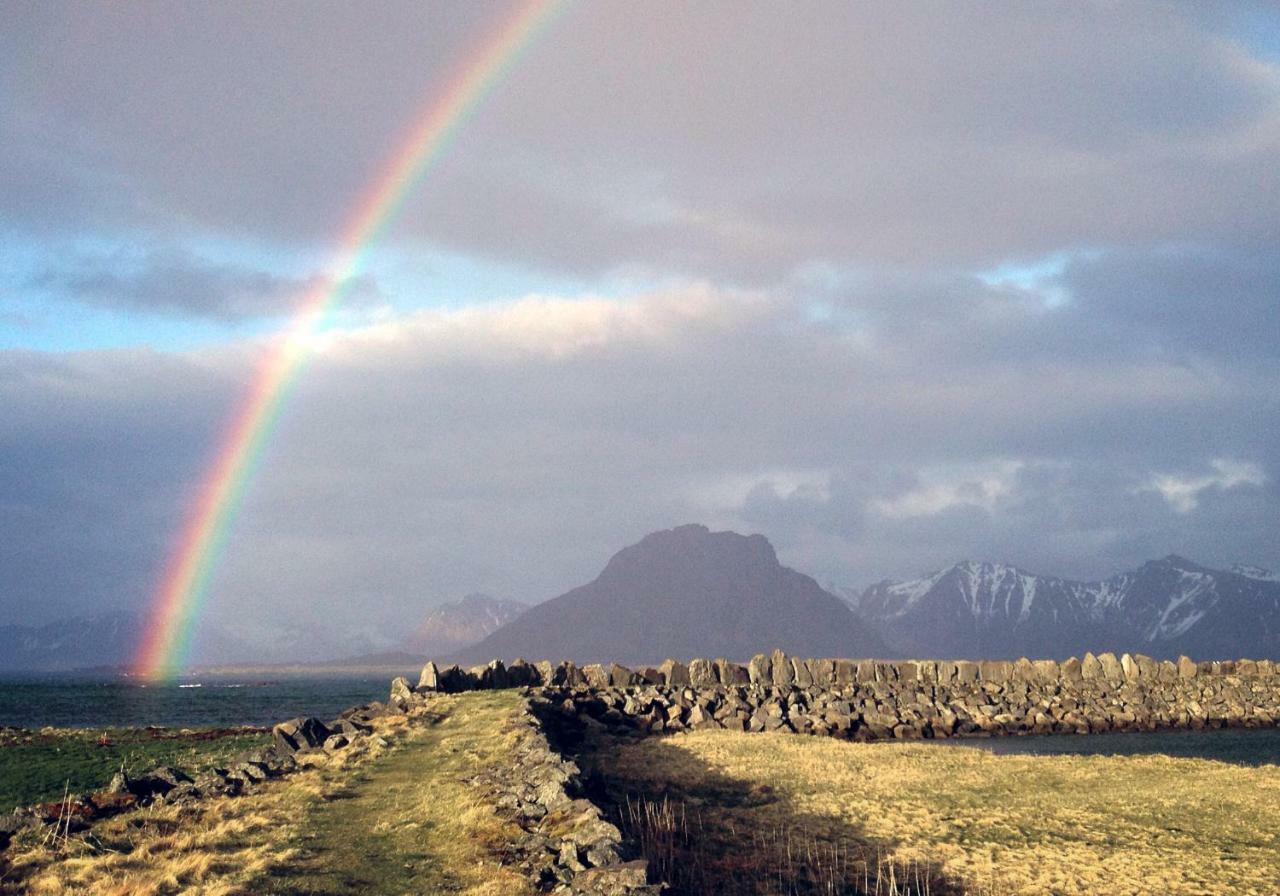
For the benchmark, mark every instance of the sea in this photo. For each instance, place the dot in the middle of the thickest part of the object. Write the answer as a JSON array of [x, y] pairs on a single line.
[[71, 702], [1239, 746]]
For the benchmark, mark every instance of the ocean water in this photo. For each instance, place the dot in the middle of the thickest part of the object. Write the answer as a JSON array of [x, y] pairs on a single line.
[[88, 703], [1241, 746]]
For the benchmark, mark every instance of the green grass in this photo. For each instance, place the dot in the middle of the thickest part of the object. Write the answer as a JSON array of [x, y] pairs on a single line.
[[40, 766]]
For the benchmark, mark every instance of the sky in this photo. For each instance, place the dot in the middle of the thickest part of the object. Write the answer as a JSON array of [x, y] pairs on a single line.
[[893, 285]]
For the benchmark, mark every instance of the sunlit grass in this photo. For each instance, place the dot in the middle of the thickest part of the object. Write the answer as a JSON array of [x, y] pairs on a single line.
[[376, 819], [1004, 824]]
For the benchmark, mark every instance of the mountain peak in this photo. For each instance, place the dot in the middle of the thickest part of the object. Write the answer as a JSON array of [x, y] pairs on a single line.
[[1168, 606], [686, 592], [693, 546]]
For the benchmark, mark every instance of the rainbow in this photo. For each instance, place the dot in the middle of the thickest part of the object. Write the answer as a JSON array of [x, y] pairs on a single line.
[[176, 607]]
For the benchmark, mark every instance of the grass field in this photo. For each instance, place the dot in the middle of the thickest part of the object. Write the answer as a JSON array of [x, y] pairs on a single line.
[[959, 819], [38, 766], [375, 819]]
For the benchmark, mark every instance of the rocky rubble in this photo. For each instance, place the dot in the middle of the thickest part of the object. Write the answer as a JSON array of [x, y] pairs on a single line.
[[568, 847], [167, 784], [874, 700]]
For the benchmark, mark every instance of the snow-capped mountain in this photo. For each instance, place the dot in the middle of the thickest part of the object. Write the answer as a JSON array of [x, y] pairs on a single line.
[[84, 641], [1255, 572], [97, 640], [453, 626], [1165, 608]]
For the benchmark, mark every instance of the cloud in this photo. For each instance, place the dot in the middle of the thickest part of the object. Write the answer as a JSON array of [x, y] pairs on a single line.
[[748, 145], [1183, 492], [514, 447], [936, 282], [177, 282]]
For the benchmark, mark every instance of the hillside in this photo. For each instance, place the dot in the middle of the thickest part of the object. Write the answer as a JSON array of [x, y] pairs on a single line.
[[685, 592]]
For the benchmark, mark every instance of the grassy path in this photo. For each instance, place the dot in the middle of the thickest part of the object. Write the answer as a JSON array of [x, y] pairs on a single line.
[[409, 823], [390, 820]]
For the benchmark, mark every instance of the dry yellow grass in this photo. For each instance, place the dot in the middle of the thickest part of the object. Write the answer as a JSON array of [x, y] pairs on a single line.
[[299, 834], [993, 824]]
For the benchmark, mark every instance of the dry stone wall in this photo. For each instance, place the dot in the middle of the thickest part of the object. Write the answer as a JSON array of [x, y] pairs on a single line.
[[568, 847], [874, 700]]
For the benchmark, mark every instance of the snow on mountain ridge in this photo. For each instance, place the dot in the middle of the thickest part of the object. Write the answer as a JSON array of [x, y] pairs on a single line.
[[988, 609], [1254, 572]]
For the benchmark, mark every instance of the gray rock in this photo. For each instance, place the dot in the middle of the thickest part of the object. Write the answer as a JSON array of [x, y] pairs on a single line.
[[300, 734], [702, 674], [429, 680], [783, 674], [1111, 669], [1091, 668], [674, 674], [401, 691], [732, 673]]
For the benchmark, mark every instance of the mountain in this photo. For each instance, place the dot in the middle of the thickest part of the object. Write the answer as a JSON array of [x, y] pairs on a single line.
[[1165, 608], [453, 626], [1255, 572], [99, 640], [685, 592]]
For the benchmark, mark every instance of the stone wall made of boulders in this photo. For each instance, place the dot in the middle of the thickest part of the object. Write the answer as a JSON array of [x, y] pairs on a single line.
[[568, 847], [291, 740], [872, 700]]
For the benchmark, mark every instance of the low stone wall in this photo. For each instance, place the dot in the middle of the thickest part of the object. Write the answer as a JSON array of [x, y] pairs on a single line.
[[568, 848], [869, 699]]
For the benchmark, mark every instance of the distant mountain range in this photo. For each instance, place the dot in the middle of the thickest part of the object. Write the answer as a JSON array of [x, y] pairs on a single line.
[[110, 640], [104, 639], [682, 593], [1164, 608], [453, 626], [689, 592]]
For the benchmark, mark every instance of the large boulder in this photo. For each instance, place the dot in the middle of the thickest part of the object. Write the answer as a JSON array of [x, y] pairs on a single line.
[[783, 675], [300, 734], [622, 677], [731, 673], [1091, 668], [522, 674], [597, 676], [455, 679], [494, 676], [429, 680], [674, 673], [1111, 668], [401, 692], [702, 674], [760, 670]]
